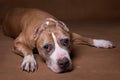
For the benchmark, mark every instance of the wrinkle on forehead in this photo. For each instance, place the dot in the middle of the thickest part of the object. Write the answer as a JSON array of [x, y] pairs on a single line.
[[45, 37]]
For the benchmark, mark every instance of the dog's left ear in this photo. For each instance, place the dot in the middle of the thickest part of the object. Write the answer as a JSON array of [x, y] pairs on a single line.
[[58, 23], [62, 25]]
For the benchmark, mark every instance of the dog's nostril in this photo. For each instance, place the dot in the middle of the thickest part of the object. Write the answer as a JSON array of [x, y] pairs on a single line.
[[63, 63]]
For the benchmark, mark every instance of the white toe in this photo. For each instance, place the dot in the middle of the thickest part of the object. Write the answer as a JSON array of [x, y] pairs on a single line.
[[29, 63]]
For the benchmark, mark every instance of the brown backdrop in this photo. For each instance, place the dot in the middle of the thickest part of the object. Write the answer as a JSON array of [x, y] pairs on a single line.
[[69, 9], [89, 63]]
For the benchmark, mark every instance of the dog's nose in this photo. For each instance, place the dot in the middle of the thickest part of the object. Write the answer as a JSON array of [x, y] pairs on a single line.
[[63, 63]]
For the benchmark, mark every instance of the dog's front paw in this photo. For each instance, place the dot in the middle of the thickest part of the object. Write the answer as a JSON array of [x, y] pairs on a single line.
[[29, 63], [103, 43]]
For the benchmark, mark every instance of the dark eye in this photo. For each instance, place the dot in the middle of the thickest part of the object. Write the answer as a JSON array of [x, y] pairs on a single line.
[[47, 47], [65, 42]]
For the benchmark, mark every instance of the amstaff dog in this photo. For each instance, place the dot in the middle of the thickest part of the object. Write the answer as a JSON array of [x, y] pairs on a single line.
[[34, 28]]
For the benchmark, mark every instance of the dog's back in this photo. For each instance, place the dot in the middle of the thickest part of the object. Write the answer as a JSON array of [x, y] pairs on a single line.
[[19, 18]]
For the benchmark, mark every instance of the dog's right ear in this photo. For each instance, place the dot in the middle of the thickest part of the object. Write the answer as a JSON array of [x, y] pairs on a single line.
[[38, 30]]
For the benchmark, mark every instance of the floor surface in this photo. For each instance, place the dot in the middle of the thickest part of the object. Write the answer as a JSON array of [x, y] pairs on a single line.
[[90, 63]]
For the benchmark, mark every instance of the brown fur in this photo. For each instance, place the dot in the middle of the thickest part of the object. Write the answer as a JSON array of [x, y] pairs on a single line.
[[28, 28], [21, 23]]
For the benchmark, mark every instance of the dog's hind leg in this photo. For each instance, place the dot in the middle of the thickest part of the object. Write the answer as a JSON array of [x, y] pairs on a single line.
[[99, 43]]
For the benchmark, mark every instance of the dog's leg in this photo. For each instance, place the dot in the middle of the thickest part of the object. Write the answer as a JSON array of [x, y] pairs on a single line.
[[29, 63], [99, 43]]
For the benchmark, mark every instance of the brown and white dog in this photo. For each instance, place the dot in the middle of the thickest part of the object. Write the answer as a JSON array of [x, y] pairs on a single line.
[[34, 28]]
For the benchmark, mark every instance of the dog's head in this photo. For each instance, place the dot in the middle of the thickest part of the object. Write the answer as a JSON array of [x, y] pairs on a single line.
[[53, 41]]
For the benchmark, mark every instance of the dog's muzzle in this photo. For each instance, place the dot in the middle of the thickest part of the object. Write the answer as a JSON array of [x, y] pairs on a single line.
[[63, 63], [60, 65]]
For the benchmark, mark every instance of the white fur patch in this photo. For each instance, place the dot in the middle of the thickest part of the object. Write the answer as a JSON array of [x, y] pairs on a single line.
[[99, 43], [59, 53], [47, 22], [29, 63]]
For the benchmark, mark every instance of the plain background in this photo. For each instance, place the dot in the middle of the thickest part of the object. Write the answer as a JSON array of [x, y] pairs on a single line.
[[69, 9], [92, 18]]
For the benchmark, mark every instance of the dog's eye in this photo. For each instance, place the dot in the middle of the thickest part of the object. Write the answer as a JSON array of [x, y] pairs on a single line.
[[47, 47], [65, 42]]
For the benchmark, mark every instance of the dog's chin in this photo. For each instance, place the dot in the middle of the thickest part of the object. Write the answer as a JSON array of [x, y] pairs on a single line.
[[57, 69]]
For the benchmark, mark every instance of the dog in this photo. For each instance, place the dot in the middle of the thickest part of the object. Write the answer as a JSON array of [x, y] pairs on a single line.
[[33, 28]]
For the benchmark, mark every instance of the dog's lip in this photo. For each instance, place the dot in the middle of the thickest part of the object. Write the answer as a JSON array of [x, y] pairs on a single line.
[[66, 70], [59, 70]]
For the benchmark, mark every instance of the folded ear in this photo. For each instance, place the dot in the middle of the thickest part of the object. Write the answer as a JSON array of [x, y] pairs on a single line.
[[58, 23], [38, 30], [62, 25]]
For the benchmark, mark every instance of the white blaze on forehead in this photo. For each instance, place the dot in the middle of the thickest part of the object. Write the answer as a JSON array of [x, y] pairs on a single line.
[[59, 51], [55, 40]]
